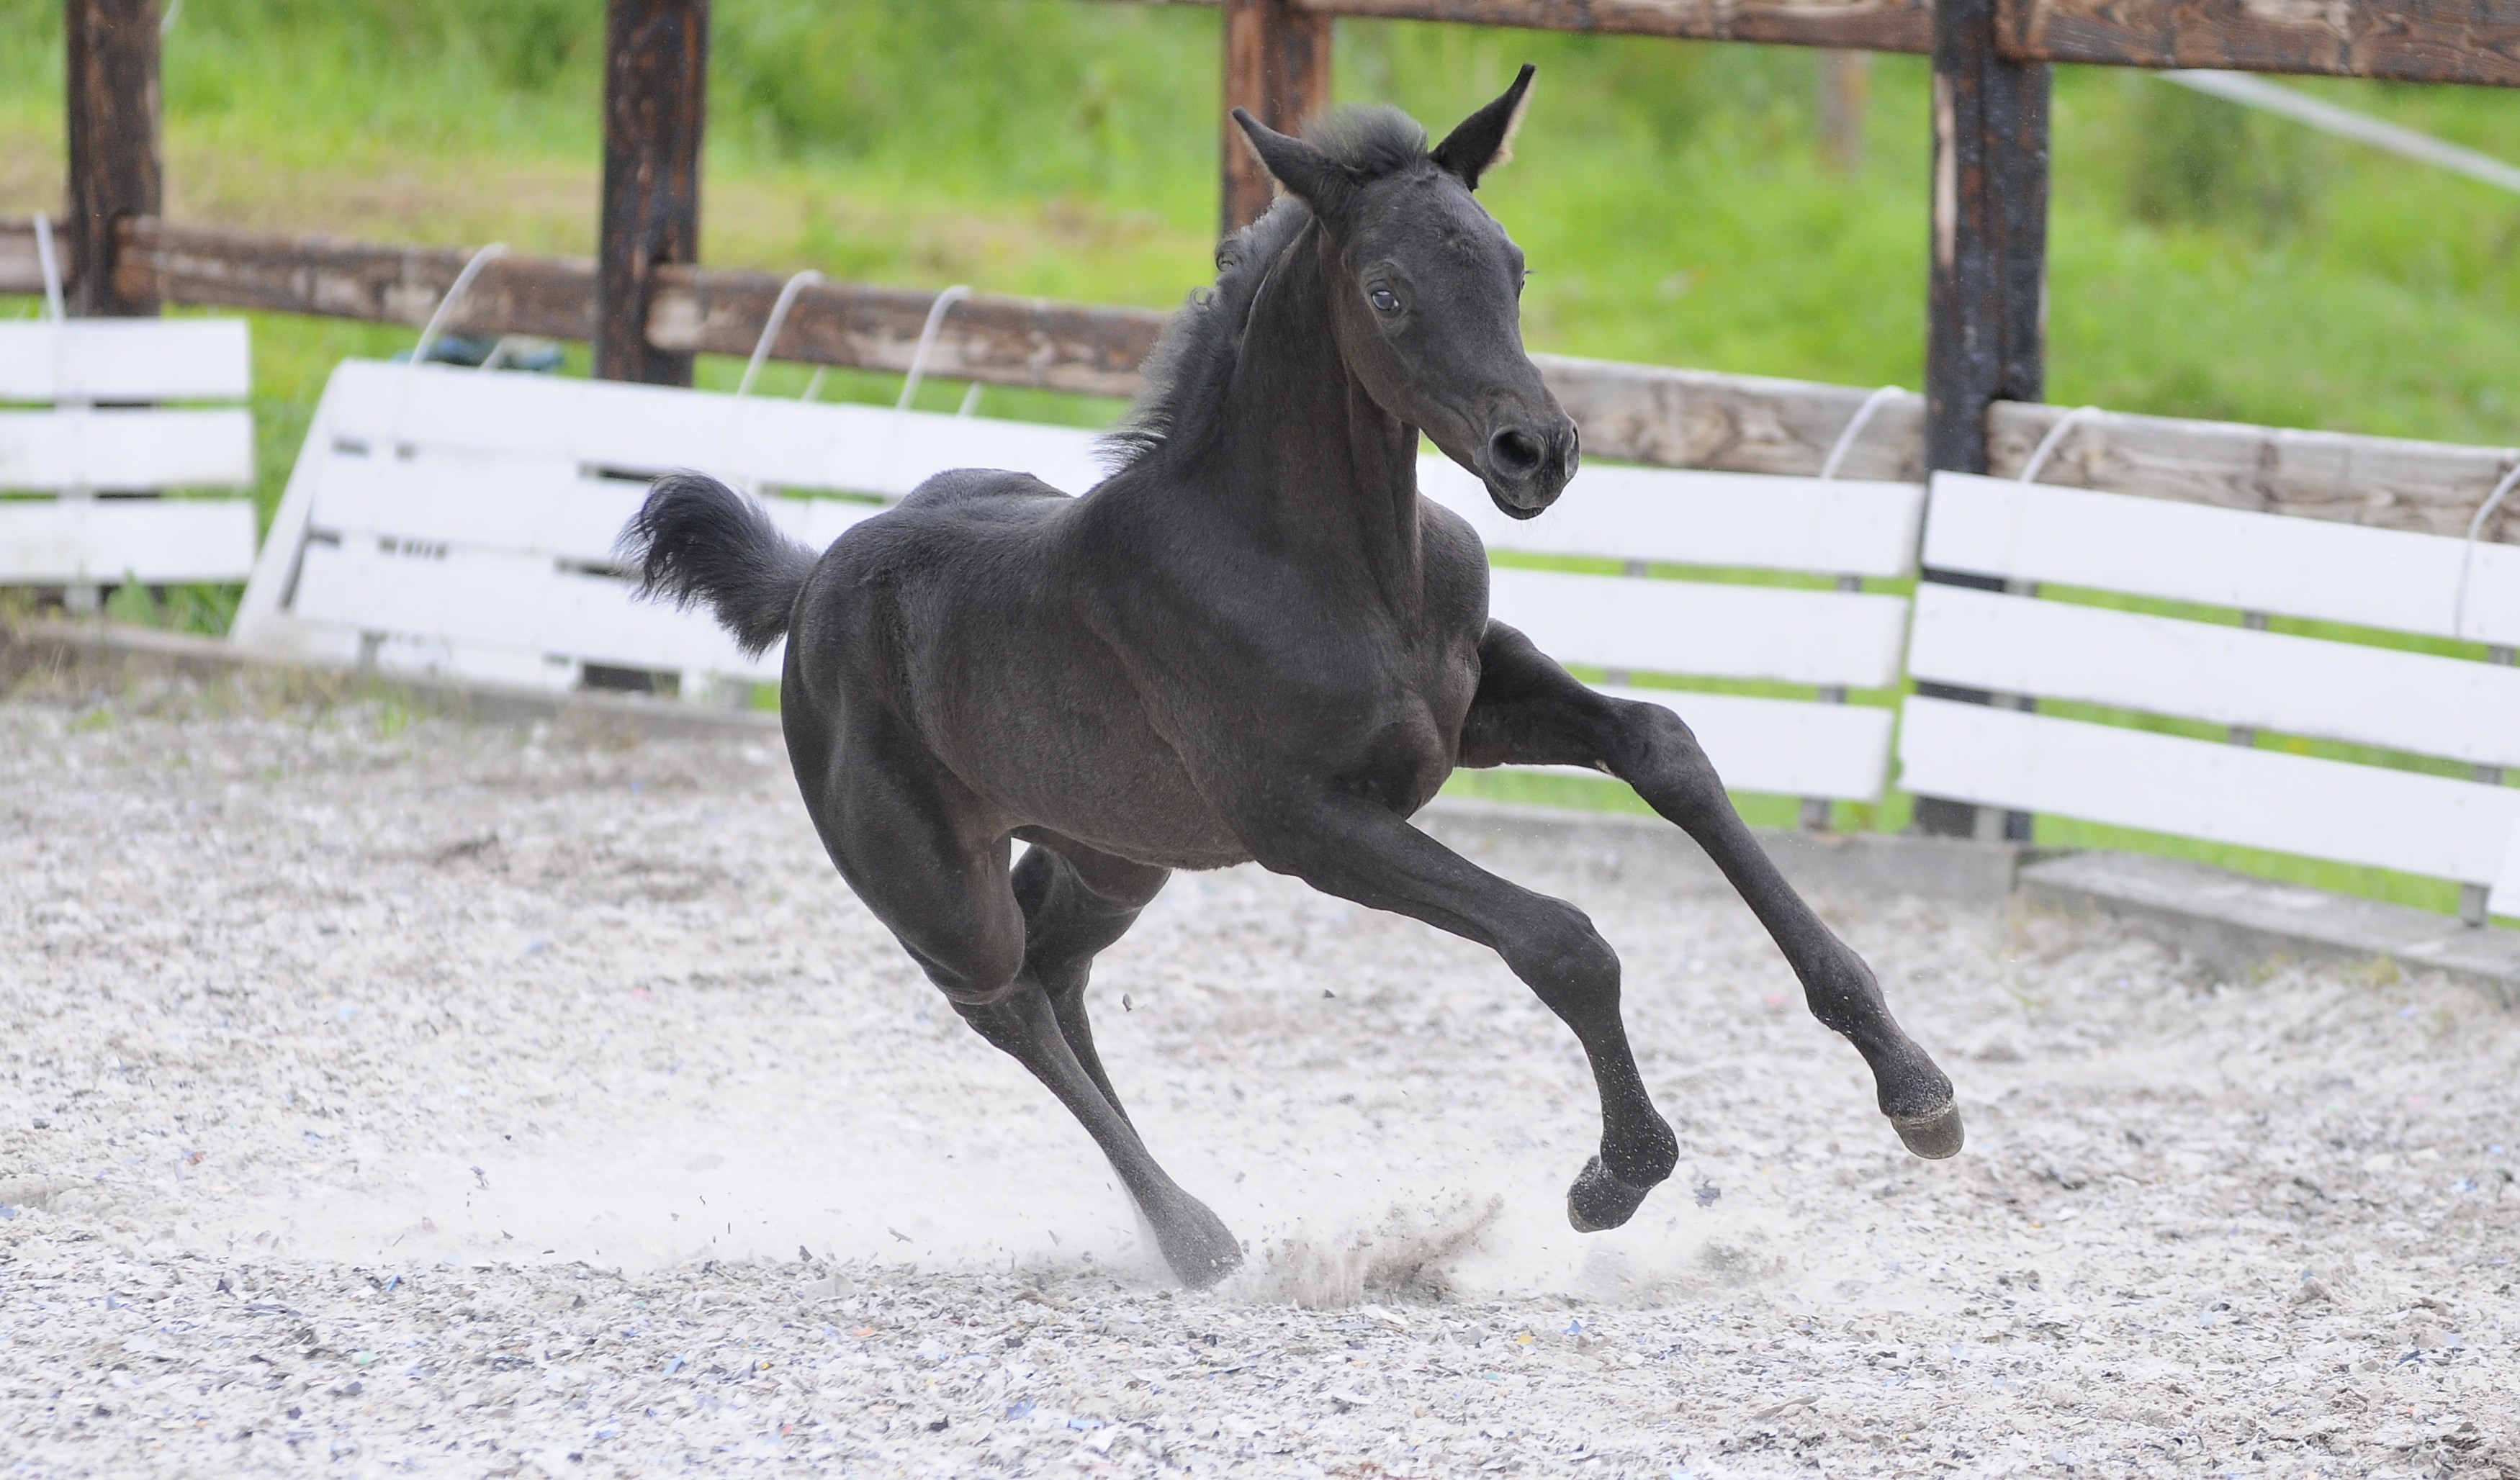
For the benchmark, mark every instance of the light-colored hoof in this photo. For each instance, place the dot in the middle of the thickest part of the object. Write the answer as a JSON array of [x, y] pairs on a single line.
[[1934, 1134]]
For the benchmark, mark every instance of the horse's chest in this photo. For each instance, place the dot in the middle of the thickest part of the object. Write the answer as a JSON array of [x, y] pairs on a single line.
[[1405, 738]]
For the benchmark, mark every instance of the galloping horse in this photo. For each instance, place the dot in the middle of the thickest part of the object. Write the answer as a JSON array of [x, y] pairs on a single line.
[[1253, 642]]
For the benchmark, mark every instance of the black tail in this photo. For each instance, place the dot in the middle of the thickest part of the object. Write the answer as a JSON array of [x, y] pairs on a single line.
[[697, 540]]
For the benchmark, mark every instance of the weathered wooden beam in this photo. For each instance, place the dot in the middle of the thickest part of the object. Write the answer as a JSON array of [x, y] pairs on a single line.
[[528, 294], [2382, 482], [2469, 41], [2474, 41], [1986, 303], [22, 266], [111, 89], [1278, 67], [1737, 423], [655, 74], [1880, 25], [1003, 340]]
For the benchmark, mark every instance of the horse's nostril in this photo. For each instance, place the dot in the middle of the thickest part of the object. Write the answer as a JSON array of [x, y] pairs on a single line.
[[1515, 452]]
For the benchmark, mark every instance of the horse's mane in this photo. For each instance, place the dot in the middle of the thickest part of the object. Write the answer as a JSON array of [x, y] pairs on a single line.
[[1186, 372]]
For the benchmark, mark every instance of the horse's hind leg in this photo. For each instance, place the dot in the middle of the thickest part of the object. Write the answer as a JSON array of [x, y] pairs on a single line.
[[1076, 902], [1195, 1242], [917, 850]]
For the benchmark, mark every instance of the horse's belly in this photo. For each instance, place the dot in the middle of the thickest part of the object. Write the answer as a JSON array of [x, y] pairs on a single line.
[[1101, 775], [1138, 806]]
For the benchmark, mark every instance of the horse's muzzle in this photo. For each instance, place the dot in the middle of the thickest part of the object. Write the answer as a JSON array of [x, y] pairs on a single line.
[[1525, 466]]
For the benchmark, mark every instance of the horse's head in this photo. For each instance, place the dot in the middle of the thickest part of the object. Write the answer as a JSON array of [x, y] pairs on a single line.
[[1427, 288]]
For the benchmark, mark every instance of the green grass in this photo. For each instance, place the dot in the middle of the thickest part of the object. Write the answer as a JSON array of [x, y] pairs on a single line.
[[2204, 261]]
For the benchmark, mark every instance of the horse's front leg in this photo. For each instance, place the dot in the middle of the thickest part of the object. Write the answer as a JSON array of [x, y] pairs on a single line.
[[1530, 711], [1354, 849]]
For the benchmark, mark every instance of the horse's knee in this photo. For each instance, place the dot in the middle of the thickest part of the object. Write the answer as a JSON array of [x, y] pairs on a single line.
[[1662, 753]]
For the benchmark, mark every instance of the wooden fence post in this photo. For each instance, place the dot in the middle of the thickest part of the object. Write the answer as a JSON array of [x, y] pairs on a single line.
[[656, 74], [115, 172], [1987, 307], [1276, 64]]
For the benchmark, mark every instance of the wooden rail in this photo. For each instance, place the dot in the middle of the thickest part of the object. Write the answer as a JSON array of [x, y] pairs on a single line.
[[1882, 26], [986, 337], [2464, 41], [2477, 41], [1003, 340], [1634, 413], [1879, 25], [339, 278]]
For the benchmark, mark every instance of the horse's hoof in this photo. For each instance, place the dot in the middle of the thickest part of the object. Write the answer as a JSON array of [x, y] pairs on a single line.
[[1201, 1271], [1934, 1134], [1200, 1248], [1599, 1202]]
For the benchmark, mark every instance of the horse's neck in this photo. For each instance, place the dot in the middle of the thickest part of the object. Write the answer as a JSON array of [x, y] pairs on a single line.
[[1320, 467]]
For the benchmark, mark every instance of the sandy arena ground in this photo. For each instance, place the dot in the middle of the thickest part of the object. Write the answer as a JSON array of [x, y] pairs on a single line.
[[389, 1093]]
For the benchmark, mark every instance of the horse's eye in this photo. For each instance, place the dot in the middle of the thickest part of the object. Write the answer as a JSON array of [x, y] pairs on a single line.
[[1384, 301]]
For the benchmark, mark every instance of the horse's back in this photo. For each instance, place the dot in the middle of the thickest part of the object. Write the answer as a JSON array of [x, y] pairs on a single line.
[[969, 536], [977, 489]]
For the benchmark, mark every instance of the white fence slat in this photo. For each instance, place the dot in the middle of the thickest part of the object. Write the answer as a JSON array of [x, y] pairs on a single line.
[[50, 542], [509, 414], [492, 503], [1791, 747], [2411, 701], [653, 430], [2269, 562], [2504, 897], [125, 360], [1687, 518], [1704, 629], [2425, 824], [115, 449], [515, 601], [543, 506]]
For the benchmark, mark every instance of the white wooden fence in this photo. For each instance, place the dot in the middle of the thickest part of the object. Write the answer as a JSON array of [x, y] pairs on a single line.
[[464, 521], [91, 430], [1829, 638], [2020, 646]]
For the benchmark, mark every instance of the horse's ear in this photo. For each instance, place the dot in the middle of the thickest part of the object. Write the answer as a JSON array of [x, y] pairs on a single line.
[[1485, 139], [1306, 171]]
